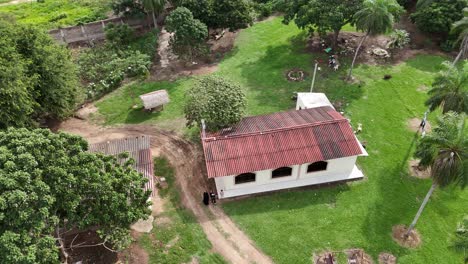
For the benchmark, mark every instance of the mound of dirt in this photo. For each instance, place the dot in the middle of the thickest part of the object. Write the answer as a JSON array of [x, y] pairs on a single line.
[[416, 171], [399, 235], [414, 125], [324, 258], [387, 258], [358, 256]]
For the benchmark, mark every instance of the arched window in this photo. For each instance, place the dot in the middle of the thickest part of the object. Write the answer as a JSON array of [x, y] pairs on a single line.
[[317, 166], [281, 172], [244, 178]]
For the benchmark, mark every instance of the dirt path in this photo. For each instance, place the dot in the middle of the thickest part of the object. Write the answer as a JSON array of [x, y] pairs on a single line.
[[14, 2], [227, 239]]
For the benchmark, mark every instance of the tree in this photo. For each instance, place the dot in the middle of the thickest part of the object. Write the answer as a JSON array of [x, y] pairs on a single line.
[[189, 33], [201, 10], [450, 89], [39, 78], [438, 16], [127, 8], [460, 28], [445, 151], [231, 14], [376, 17], [322, 15], [50, 184], [155, 7], [218, 101]]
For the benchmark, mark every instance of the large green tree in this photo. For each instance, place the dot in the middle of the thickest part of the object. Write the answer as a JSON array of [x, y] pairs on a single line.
[[438, 16], [231, 14], [375, 17], [461, 238], [38, 79], [445, 151], [50, 184], [322, 16], [450, 89], [218, 101], [189, 34], [460, 29]]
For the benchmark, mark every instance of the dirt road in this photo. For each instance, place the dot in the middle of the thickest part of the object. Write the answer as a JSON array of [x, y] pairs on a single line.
[[227, 239]]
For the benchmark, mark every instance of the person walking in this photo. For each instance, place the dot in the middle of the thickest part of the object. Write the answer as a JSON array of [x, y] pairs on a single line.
[[213, 197]]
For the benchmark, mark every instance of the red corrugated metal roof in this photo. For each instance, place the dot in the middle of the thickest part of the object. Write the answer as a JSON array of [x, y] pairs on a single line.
[[279, 139]]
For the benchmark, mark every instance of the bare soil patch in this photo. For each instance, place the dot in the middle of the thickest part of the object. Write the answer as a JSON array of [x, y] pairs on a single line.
[[93, 254], [187, 159], [412, 241], [324, 258], [135, 254], [418, 172], [387, 258], [414, 125], [358, 256]]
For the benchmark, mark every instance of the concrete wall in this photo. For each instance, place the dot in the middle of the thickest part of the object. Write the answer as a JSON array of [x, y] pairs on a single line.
[[337, 170]]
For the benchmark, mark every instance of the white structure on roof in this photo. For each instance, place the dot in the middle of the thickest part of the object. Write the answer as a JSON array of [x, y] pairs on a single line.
[[313, 145], [155, 99], [312, 100]]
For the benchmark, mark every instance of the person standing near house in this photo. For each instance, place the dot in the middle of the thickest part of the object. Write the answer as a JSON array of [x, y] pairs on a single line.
[[206, 198], [213, 197]]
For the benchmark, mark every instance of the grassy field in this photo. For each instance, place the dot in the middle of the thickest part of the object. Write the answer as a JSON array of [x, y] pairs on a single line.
[[290, 226], [179, 238], [54, 13]]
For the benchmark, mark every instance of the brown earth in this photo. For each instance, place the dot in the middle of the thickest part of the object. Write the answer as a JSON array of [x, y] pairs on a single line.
[[413, 125], [358, 256], [387, 258], [412, 241], [418, 172], [187, 159]]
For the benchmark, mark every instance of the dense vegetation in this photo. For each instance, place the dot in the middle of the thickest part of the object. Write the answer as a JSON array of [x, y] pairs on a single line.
[[51, 14], [50, 184], [38, 79]]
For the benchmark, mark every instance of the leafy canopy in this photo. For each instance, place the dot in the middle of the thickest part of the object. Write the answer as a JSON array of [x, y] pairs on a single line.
[[377, 16], [438, 16], [321, 15], [445, 151], [189, 33], [49, 183], [37, 77], [450, 89], [218, 101]]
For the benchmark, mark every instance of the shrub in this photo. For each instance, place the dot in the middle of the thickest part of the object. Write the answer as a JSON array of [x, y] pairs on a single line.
[[119, 35], [398, 39], [438, 16]]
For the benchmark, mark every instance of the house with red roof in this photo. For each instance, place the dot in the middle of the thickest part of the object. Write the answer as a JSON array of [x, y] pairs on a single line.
[[282, 150]]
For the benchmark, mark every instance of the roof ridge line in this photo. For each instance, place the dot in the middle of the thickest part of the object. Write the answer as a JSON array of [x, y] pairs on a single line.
[[220, 137]]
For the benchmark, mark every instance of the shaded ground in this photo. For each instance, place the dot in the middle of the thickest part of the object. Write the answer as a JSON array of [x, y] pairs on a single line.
[[227, 239], [418, 172], [412, 241]]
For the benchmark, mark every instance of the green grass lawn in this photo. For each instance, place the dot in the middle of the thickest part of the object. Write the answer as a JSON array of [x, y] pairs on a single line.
[[290, 226], [54, 13], [179, 238]]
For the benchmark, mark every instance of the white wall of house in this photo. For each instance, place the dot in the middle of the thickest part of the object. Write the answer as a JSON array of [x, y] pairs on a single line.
[[337, 170]]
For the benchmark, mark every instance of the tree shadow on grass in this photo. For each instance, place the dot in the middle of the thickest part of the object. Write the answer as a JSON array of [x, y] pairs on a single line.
[[139, 115], [393, 206], [426, 63]]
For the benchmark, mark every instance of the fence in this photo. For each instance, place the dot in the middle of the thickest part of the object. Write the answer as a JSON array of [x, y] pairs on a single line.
[[95, 30]]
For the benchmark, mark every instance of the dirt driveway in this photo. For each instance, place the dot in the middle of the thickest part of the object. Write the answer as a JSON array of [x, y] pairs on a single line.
[[187, 159]]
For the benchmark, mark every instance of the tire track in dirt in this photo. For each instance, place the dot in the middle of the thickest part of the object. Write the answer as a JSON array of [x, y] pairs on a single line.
[[187, 159]]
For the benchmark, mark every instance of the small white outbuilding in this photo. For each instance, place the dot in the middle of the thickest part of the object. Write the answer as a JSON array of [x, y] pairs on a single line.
[[155, 99], [312, 100]]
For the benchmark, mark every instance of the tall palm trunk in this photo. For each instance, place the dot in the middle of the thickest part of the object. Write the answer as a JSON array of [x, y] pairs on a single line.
[[355, 55], [463, 47], [421, 208], [155, 22]]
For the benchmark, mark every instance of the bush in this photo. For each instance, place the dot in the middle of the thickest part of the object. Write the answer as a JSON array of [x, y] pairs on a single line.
[[119, 35], [438, 16], [398, 39]]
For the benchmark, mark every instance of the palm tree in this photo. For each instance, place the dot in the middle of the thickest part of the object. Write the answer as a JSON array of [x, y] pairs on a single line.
[[445, 151], [450, 89], [155, 7], [376, 17], [460, 28]]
